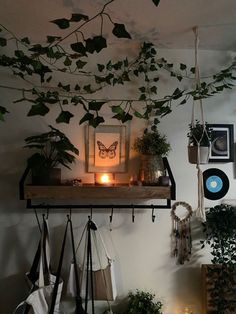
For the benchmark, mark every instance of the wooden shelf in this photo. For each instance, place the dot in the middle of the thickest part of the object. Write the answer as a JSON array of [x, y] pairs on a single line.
[[96, 192]]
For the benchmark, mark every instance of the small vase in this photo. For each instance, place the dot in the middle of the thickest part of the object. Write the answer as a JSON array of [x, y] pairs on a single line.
[[151, 169], [204, 152]]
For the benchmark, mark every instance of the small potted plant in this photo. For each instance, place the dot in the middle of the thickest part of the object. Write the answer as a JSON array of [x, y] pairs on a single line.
[[54, 149], [142, 302], [220, 231], [199, 142], [152, 146]]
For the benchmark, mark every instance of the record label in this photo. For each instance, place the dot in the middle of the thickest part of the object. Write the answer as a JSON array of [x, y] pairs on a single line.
[[216, 183]]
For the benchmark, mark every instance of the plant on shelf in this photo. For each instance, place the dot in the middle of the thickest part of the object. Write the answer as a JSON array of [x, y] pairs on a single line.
[[141, 302], [199, 134], [54, 149], [220, 231], [152, 146]]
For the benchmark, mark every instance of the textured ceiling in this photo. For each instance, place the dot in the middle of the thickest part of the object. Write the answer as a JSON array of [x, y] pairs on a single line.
[[168, 26]]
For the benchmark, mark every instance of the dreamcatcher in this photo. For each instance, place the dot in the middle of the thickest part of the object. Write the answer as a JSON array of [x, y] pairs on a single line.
[[181, 233]]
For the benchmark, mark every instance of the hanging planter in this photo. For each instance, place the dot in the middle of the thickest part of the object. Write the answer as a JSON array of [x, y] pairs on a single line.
[[199, 143]]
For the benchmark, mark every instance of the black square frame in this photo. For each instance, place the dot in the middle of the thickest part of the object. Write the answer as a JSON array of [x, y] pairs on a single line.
[[222, 143]]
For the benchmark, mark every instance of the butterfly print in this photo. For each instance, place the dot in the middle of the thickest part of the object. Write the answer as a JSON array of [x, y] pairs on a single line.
[[109, 152]]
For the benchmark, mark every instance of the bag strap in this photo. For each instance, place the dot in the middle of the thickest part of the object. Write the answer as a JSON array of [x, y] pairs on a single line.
[[90, 226], [78, 299], [58, 275]]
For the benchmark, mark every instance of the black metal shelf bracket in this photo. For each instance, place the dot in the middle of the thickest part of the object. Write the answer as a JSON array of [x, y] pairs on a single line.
[[39, 206]]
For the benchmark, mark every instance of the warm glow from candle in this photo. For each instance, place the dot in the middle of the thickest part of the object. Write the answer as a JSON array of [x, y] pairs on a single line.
[[105, 178]]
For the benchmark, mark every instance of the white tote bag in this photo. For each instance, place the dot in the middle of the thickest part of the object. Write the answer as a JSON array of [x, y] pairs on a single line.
[[40, 298], [104, 285]]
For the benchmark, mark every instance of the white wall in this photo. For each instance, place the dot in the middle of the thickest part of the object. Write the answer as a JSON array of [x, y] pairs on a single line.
[[141, 249]]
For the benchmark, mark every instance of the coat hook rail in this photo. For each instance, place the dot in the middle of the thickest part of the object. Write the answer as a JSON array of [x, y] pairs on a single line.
[[95, 206]]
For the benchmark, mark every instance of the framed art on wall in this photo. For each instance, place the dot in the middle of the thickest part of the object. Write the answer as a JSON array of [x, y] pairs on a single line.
[[222, 143], [107, 148]]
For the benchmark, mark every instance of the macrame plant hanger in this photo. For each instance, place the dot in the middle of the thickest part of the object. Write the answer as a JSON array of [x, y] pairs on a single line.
[[200, 211]]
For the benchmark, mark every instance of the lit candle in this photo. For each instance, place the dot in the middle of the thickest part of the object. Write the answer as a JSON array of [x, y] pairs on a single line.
[[106, 179]]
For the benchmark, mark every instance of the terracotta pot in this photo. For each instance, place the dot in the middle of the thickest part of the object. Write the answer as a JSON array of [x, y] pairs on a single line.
[[151, 169], [203, 154], [47, 177]]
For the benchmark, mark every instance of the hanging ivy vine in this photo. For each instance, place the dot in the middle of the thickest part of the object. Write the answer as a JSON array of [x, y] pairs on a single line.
[[39, 64]]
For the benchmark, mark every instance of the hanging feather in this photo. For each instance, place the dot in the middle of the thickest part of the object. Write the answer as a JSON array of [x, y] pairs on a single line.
[[181, 233]]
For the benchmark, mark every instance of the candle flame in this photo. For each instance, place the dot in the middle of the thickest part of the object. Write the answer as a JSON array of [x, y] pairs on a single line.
[[105, 178]]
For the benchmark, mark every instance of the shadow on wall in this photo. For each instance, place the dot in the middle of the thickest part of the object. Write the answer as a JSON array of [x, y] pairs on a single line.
[[187, 277]]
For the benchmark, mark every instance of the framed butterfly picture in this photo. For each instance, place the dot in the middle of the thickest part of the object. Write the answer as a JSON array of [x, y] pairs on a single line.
[[107, 148]]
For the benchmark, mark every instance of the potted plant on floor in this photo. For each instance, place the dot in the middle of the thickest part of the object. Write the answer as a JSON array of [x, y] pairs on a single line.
[[199, 139], [141, 302], [54, 149], [152, 146], [220, 278]]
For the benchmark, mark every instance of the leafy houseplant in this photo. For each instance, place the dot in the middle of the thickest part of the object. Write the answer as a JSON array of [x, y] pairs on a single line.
[[220, 231], [54, 149], [152, 146], [199, 134], [142, 302]]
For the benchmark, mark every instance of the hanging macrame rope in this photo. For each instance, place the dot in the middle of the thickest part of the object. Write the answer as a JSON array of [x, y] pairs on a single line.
[[200, 211]]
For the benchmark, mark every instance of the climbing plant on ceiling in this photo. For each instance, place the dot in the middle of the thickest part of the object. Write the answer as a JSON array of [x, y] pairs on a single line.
[[39, 66]]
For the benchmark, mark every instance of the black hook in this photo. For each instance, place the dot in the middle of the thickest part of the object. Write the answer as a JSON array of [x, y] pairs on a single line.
[[133, 216], [111, 216], [90, 217], [153, 216], [69, 216], [47, 213]]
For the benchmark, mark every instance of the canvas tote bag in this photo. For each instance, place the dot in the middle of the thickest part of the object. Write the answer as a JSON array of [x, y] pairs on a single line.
[[103, 278], [42, 298]]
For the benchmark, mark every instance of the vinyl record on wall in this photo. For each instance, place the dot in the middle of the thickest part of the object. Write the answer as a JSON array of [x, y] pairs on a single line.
[[216, 183]]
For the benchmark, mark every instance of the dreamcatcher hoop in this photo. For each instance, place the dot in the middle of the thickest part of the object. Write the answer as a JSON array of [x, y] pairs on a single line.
[[181, 233]]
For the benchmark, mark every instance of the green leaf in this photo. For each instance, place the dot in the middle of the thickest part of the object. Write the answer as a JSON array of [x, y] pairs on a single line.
[[51, 39], [156, 2], [101, 67], [153, 89], [126, 117], [87, 117], [96, 43], [78, 47], [183, 66], [39, 109], [3, 111], [120, 31], [65, 102], [62, 23], [67, 62], [142, 89], [117, 109], [183, 102], [25, 40], [3, 42], [87, 88], [80, 64], [96, 121], [138, 115], [77, 17], [65, 87], [64, 117], [95, 105], [142, 97]]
